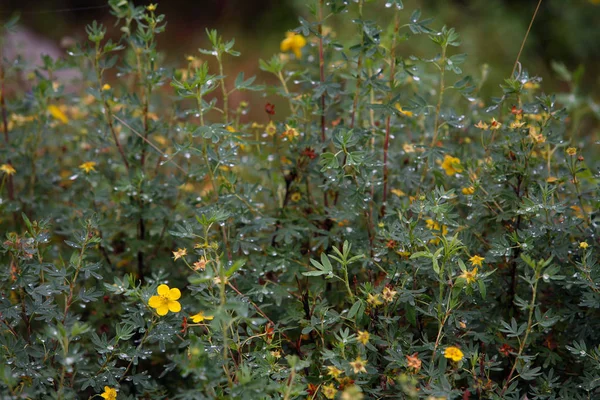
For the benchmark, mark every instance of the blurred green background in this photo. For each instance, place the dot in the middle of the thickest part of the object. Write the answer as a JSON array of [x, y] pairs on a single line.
[[566, 31]]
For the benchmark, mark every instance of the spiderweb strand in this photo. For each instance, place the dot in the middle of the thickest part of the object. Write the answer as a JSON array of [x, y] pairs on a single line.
[[56, 11], [525, 38]]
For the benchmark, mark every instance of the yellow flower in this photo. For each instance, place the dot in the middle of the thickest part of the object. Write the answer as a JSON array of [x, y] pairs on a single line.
[[401, 253], [408, 148], [583, 245], [389, 294], [495, 125], [188, 187], [453, 353], [468, 190], [451, 165], [151, 7], [536, 117], [533, 85], [109, 393], [329, 391], [230, 128], [359, 365], [334, 371], [579, 213], [276, 354], [469, 276], [363, 337], [290, 133], [537, 137], [434, 226], [179, 253], [161, 140], [476, 260], [571, 151], [398, 192], [217, 280], [166, 300], [200, 264], [403, 112], [200, 317], [105, 87], [552, 179], [413, 362], [296, 196], [88, 166], [293, 42], [516, 125], [58, 114], [271, 129], [482, 125], [8, 169], [374, 300]]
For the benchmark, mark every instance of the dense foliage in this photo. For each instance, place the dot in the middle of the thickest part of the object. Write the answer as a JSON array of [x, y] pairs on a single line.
[[384, 233]]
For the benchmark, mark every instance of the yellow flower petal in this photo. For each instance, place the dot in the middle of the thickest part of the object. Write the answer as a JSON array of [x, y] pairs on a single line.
[[8, 169], [155, 301], [163, 290], [174, 306], [174, 294], [58, 114], [163, 310], [453, 353], [285, 44]]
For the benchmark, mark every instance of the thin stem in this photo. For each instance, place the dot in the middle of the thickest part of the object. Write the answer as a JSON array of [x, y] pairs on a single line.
[[322, 71], [107, 110], [286, 90], [69, 298], [525, 38], [358, 68], [386, 143], [224, 90], [356, 92], [527, 332], [347, 283], [223, 300], [138, 348], [288, 389], [575, 181], [441, 98]]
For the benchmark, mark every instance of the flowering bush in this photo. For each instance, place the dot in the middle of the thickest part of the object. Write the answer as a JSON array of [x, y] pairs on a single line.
[[384, 232]]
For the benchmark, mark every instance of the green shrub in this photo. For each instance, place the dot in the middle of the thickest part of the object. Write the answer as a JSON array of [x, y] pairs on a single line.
[[382, 233]]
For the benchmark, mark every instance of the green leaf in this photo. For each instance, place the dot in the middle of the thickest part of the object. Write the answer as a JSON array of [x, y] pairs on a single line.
[[236, 265], [354, 309], [482, 288], [326, 263], [436, 266], [314, 273], [420, 254]]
